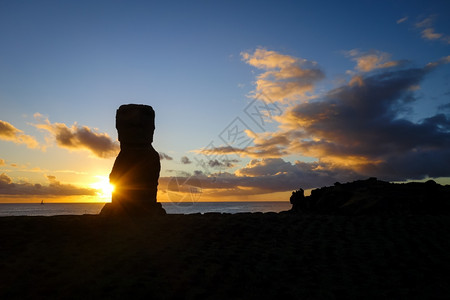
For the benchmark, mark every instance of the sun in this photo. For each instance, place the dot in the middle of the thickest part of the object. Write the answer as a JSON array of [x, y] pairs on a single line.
[[104, 188]]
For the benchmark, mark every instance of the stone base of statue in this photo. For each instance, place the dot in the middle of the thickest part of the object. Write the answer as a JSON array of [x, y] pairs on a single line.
[[136, 170], [120, 209]]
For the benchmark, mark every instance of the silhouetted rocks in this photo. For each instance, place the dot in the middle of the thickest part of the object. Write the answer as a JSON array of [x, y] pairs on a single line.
[[136, 170], [372, 196]]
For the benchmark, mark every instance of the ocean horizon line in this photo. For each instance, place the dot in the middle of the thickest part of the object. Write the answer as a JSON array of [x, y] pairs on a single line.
[[100, 202]]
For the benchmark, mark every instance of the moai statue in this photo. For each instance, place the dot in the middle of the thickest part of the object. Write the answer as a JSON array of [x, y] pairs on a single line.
[[136, 170]]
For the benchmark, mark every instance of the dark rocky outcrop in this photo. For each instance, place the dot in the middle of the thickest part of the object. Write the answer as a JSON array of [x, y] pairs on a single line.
[[372, 196], [136, 170]]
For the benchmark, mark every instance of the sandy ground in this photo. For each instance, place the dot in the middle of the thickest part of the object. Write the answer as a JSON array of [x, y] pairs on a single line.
[[242, 256]]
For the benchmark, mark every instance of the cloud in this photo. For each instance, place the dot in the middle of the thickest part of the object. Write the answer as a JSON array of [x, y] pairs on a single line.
[[80, 138], [54, 188], [439, 62], [164, 156], [402, 20], [358, 129], [265, 176], [185, 160], [266, 167], [426, 23], [285, 77], [444, 107], [214, 163], [267, 145], [368, 61], [227, 163], [10, 133], [2, 162], [221, 150], [428, 32]]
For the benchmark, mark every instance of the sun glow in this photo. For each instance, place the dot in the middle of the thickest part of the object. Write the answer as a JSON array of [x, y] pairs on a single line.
[[104, 188]]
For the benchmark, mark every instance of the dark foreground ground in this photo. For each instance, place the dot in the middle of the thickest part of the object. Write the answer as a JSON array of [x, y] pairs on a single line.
[[252, 256]]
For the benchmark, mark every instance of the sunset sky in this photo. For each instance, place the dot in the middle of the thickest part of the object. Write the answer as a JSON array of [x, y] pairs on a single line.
[[253, 100]]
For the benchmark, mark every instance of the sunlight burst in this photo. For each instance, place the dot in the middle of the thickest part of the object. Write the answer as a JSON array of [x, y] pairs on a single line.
[[104, 188]]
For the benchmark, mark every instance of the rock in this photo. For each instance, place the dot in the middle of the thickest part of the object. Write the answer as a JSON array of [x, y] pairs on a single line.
[[372, 196], [298, 200], [136, 170]]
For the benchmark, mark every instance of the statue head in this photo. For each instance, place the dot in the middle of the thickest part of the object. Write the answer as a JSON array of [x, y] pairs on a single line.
[[135, 124]]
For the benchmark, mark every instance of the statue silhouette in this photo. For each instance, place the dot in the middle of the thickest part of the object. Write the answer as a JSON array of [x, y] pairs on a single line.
[[136, 170]]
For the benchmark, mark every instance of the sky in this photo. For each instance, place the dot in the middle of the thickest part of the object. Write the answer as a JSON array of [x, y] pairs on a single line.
[[253, 99]]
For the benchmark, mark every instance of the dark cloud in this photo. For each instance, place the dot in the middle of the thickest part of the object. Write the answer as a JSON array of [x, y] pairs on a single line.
[[164, 156], [261, 150], [54, 188], [179, 173], [263, 176], [267, 167], [198, 173], [214, 163], [225, 163], [80, 138], [445, 107], [10, 133], [277, 175], [185, 160], [357, 126], [360, 129]]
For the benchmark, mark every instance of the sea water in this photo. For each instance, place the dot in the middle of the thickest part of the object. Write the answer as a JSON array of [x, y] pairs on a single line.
[[53, 209]]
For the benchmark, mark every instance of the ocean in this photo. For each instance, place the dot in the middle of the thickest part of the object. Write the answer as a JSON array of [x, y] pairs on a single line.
[[54, 209]]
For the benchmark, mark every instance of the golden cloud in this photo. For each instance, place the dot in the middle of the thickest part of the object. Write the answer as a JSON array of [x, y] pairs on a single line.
[[10, 133], [78, 137], [285, 77], [54, 188], [429, 33], [357, 127], [368, 61]]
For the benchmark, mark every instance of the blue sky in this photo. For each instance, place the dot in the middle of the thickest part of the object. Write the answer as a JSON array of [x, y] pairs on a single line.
[[76, 62]]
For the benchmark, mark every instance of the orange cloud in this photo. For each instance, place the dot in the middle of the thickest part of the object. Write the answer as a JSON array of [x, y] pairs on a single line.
[[366, 62], [266, 167], [285, 77], [429, 33], [358, 80], [258, 177], [442, 61], [404, 19], [353, 131], [80, 138], [10, 133], [356, 128], [54, 188]]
